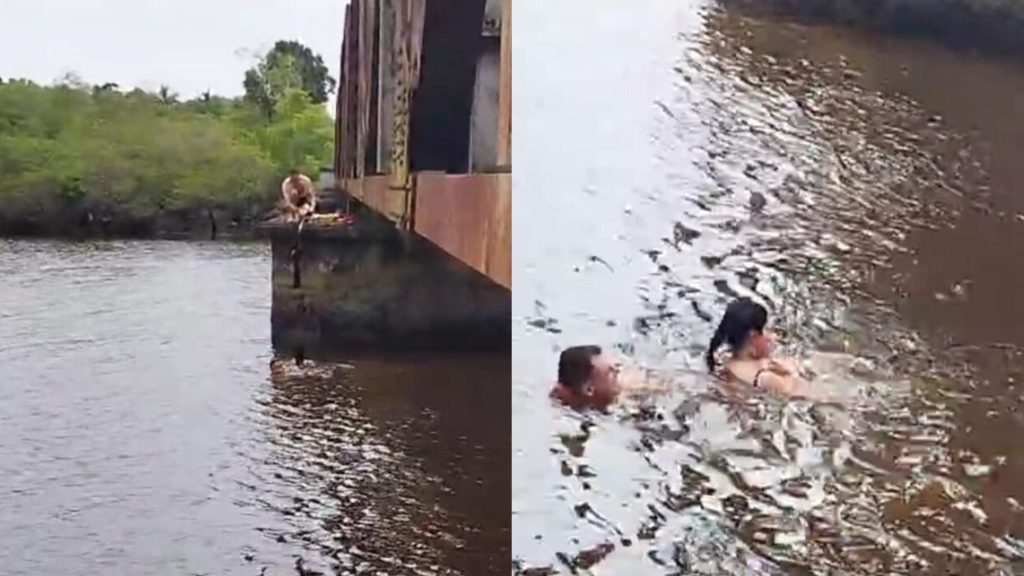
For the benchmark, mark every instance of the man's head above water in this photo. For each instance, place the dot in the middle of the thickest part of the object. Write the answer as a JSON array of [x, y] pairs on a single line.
[[586, 377]]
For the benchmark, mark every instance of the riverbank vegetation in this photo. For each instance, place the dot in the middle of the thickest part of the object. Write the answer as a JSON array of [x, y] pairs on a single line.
[[80, 159]]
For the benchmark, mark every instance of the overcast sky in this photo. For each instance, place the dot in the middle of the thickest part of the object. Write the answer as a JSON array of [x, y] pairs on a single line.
[[190, 45]]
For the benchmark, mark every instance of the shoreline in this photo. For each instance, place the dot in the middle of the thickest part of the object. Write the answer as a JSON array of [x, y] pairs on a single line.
[[169, 226], [981, 26], [239, 223], [247, 236]]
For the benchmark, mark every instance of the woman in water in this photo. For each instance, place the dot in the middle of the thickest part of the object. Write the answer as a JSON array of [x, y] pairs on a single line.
[[751, 344]]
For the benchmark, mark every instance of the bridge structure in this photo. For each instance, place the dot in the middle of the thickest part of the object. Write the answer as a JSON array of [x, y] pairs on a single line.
[[424, 123], [423, 149]]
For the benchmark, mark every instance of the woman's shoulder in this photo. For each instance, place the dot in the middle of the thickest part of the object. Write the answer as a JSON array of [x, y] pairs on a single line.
[[781, 375], [744, 370]]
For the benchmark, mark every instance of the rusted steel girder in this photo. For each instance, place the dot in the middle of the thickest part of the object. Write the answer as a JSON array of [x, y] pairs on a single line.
[[408, 43], [505, 94], [467, 215], [364, 80], [470, 217]]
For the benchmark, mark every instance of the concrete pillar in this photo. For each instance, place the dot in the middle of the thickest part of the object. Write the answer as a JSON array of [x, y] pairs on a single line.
[[368, 287]]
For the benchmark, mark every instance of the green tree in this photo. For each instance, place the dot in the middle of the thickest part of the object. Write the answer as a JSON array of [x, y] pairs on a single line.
[[314, 77], [301, 135], [256, 92], [297, 132]]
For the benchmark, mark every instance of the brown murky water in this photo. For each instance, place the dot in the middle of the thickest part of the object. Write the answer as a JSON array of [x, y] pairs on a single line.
[[143, 429], [867, 189]]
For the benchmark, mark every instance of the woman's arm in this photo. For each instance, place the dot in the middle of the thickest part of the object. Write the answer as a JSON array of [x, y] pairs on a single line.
[[778, 383]]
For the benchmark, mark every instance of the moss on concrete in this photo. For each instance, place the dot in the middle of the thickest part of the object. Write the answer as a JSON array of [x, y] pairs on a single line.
[[372, 288]]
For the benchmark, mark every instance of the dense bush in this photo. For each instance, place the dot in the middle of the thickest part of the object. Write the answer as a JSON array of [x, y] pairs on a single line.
[[73, 153]]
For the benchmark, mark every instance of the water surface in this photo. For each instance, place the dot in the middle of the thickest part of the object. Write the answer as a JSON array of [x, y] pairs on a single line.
[[865, 189], [144, 430]]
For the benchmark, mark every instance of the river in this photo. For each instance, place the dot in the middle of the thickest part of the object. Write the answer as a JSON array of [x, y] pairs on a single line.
[[674, 154], [143, 429]]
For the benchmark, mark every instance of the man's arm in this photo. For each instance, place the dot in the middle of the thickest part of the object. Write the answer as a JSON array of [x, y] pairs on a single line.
[[313, 193]]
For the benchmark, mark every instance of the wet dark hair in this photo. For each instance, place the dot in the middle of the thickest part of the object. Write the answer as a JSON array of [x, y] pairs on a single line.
[[576, 364], [742, 316]]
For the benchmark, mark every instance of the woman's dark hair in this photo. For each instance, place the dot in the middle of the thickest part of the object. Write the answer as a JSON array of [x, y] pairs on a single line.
[[576, 364], [742, 316]]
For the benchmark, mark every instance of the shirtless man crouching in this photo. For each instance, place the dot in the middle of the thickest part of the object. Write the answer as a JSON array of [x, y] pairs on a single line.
[[298, 195]]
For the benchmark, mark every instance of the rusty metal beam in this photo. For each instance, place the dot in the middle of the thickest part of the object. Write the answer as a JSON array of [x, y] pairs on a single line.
[[375, 192], [339, 107], [505, 94], [341, 115], [367, 15], [470, 217], [407, 43], [348, 102], [467, 215]]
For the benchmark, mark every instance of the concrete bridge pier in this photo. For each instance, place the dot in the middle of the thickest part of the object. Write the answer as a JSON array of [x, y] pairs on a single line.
[[368, 286]]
